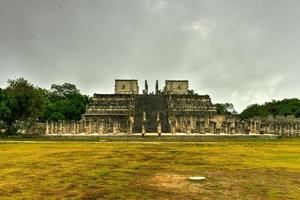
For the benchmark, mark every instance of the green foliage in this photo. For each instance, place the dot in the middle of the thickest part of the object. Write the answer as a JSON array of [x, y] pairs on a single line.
[[24, 102], [64, 102], [225, 109], [4, 109], [55, 116], [64, 90], [192, 92], [284, 107]]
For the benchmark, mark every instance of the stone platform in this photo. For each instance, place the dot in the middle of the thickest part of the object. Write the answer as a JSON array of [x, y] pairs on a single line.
[[164, 137]]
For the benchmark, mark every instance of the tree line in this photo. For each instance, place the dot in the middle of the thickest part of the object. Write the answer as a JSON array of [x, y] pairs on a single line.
[[283, 107], [23, 104]]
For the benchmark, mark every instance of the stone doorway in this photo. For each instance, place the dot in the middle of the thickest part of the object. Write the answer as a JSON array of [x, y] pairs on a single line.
[[151, 105]]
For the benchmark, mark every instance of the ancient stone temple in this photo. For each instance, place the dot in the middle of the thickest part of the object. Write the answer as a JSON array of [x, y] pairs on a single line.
[[172, 109]]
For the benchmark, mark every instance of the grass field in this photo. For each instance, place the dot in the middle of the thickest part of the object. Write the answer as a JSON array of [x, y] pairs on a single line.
[[119, 170]]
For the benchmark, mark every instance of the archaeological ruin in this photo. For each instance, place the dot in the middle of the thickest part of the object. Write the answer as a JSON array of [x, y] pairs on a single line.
[[171, 110]]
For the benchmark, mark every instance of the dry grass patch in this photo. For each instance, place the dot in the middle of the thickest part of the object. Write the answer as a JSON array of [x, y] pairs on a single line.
[[81, 170]]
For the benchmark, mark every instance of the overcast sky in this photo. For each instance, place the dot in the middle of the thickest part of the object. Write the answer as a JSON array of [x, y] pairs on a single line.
[[239, 51]]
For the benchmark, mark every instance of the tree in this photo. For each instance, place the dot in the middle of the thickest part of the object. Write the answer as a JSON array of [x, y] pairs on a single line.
[[284, 107], [254, 110], [25, 102], [192, 92], [225, 109], [64, 102], [4, 109], [64, 90]]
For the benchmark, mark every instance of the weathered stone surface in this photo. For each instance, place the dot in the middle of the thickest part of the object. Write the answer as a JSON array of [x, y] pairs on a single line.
[[126, 86], [176, 87], [171, 111]]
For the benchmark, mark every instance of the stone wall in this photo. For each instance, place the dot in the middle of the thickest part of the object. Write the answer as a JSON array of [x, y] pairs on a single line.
[[108, 106], [216, 124], [176, 87], [126, 86], [85, 127]]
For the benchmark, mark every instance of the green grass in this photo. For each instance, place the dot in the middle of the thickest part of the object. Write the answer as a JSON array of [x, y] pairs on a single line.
[[118, 170]]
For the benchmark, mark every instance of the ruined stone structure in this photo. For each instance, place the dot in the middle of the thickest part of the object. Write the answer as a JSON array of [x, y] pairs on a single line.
[[123, 86], [176, 87], [170, 110]]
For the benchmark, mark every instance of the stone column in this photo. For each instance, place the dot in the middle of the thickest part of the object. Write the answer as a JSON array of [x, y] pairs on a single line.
[[115, 127], [73, 128], [159, 128], [51, 127], [131, 121], [67, 127], [272, 128], [280, 131], [250, 127], [93, 127], [208, 126], [188, 126], [158, 124], [254, 127], [172, 125], [77, 127], [130, 127], [283, 129], [90, 128], [269, 128], [257, 127], [64, 127], [46, 128], [59, 127], [211, 128], [234, 127], [54, 127], [101, 127], [85, 127], [143, 124]]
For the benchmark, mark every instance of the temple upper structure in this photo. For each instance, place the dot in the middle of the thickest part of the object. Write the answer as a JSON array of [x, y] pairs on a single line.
[[177, 110], [176, 87], [124, 86]]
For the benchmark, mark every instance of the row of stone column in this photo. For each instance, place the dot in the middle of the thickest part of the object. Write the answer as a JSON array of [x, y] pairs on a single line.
[[82, 127], [144, 120], [235, 127], [280, 128], [208, 126]]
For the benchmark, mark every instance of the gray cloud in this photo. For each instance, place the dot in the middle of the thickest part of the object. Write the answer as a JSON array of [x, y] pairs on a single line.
[[237, 51]]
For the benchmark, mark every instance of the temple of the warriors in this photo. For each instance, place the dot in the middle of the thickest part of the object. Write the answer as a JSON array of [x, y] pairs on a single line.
[[172, 109]]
